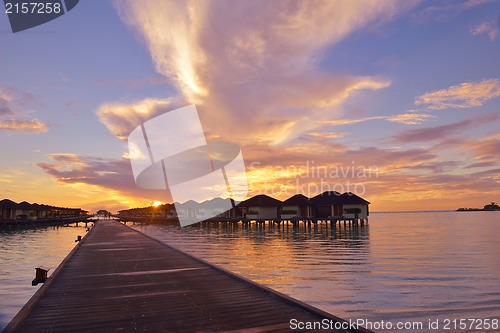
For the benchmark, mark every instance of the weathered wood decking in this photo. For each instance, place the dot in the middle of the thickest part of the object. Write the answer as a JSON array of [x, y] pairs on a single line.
[[118, 279]]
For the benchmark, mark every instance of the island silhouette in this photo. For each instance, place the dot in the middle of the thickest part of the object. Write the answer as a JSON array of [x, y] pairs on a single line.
[[493, 206]]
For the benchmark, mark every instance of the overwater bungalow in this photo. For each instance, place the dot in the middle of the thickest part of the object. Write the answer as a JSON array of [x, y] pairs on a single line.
[[327, 204], [10, 210], [297, 205], [261, 207], [335, 204]]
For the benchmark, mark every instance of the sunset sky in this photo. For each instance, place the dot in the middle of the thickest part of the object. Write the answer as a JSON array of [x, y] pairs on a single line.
[[404, 93]]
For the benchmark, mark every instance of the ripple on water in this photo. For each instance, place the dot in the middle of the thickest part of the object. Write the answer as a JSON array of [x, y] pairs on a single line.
[[406, 266]]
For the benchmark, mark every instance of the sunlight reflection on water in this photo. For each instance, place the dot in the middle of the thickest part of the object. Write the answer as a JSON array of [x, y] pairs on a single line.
[[401, 266], [23, 249]]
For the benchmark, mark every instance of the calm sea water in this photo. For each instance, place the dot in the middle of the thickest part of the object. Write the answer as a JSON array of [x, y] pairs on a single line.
[[409, 267], [21, 250], [402, 267]]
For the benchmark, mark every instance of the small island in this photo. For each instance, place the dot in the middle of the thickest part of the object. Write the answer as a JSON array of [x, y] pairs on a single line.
[[493, 206]]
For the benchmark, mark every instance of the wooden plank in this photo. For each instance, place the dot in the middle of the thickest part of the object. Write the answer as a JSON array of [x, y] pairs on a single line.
[[118, 279]]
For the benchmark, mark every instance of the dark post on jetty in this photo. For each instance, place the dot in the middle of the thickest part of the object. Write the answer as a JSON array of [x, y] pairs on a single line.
[[40, 275], [118, 279]]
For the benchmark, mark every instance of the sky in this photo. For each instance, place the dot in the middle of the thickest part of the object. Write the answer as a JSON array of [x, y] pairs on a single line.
[[396, 101]]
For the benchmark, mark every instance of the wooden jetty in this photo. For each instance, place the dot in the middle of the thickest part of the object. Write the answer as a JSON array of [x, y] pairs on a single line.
[[118, 279], [14, 223]]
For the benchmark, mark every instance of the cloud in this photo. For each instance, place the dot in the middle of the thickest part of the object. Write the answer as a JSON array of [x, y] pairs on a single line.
[[350, 121], [122, 118], [485, 150], [15, 104], [5, 100], [23, 126], [109, 174], [443, 131], [256, 65], [327, 135], [491, 28], [409, 118], [463, 96], [481, 165], [446, 10]]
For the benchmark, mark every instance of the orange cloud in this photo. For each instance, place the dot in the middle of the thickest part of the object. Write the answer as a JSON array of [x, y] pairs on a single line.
[[256, 65], [122, 118], [113, 175], [463, 96], [409, 118], [24, 126]]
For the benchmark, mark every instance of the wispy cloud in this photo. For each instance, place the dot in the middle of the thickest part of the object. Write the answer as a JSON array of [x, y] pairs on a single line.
[[14, 105], [446, 10], [23, 126], [257, 63], [5, 100], [327, 135], [491, 28], [409, 118], [350, 121], [463, 96], [486, 149], [443, 131], [481, 165], [108, 174], [122, 118]]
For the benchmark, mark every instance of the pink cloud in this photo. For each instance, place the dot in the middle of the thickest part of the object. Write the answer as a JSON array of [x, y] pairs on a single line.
[[490, 28], [110, 174], [257, 64], [15, 104], [443, 131], [486, 149]]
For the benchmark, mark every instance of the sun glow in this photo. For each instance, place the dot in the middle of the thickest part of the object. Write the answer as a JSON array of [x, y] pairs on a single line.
[[156, 203]]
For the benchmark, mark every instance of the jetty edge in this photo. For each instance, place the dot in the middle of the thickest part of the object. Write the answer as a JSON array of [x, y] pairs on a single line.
[[117, 278]]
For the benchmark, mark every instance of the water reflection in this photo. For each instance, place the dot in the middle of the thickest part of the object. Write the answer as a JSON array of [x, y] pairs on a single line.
[[21, 250], [412, 266], [306, 261]]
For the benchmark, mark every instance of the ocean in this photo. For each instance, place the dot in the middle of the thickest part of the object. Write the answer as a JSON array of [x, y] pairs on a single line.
[[410, 269], [23, 249]]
